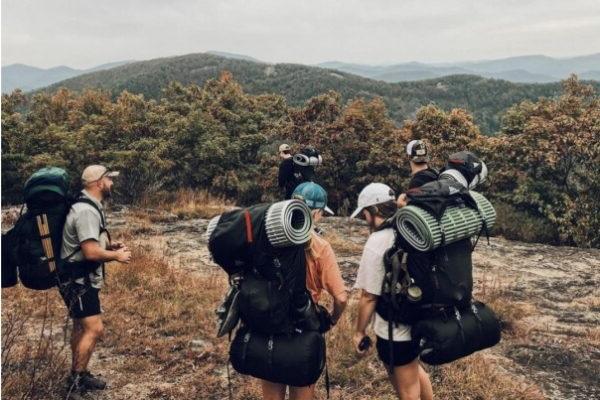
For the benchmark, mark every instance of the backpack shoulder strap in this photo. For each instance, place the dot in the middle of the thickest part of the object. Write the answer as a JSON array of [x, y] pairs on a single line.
[[94, 205]]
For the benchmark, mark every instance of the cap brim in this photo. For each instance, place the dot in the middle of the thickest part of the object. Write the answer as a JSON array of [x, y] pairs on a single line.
[[356, 212], [329, 210], [112, 174]]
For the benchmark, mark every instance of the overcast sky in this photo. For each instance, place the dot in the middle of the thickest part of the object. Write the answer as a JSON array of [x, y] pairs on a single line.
[[85, 33]]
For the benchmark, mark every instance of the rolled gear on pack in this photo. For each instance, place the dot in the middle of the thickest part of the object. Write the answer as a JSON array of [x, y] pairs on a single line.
[[33, 245], [305, 163], [456, 334], [465, 168], [295, 359], [263, 248]]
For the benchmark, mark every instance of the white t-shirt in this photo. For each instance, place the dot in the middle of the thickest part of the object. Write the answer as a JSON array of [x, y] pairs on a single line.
[[371, 273]]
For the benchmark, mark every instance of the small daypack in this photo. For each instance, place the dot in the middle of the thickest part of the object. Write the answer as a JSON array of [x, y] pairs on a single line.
[[33, 245]]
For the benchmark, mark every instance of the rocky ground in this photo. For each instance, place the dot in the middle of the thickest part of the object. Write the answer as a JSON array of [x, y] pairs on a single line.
[[556, 346]]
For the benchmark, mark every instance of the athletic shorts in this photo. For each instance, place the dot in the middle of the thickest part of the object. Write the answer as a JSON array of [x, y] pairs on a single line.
[[81, 300], [404, 352]]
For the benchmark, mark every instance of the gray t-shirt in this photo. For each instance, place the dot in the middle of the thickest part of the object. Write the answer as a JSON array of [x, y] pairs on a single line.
[[84, 223], [370, 276]]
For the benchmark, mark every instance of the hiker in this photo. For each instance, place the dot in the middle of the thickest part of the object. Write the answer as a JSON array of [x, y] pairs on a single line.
[[322, 273], [86, 246], [420, 171], [286, 178], [377, 205], [300, 169]]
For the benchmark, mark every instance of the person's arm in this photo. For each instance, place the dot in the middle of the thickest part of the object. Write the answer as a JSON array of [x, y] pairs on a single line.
[[333, 282], [93, 252], [366, 309]]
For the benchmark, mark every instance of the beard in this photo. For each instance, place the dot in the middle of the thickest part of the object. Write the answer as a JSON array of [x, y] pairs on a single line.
[[106, 192]]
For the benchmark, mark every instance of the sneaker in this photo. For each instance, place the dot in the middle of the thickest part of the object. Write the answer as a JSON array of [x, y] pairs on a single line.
[[91, 382]]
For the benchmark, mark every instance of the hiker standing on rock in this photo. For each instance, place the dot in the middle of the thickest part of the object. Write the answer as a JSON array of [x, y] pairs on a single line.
[[420, 171], [322, 273], [377, 205], [86, 246]]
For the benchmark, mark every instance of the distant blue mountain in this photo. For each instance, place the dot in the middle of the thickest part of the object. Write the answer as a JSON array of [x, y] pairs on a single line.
[[26, 77], [526, 69]]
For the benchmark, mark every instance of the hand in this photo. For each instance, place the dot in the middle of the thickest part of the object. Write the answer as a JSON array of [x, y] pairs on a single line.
[[401, 202], [123, 255], [356, 339]]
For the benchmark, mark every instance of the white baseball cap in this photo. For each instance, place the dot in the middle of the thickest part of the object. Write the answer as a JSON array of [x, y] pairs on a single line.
[[93, 173], [373, 194], [284, 147]]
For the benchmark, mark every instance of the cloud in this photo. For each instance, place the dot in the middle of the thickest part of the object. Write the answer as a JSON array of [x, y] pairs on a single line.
[[83, 33]]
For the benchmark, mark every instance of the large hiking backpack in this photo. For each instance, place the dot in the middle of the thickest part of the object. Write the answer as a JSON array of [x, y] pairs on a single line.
[[33, 245], [428, 279], [262, 250], [304, 164]]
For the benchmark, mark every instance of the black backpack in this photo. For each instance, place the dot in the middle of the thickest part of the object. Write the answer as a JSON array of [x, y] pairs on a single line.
[[270, 282], [31, 249], [33, 245]]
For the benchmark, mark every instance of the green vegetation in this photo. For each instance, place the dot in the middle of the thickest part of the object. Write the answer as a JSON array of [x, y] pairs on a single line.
[[544, 163], [487, 99]]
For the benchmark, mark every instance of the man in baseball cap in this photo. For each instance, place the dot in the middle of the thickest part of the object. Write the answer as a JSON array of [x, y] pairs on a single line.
[[86, 246], [286, 179], [377, 204], [420, 172]]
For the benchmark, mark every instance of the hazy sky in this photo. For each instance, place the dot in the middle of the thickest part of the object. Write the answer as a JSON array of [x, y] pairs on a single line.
[[85, 33]]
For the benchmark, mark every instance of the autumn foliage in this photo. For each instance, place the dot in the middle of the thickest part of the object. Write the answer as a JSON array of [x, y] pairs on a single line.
[[544, 163]]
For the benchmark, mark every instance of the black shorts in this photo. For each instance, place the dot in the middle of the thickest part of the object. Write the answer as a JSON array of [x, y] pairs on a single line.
[[81, 300], [404, 352]]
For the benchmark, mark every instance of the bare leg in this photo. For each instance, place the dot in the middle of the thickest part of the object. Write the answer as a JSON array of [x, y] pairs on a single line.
[[426, 389], [272, 391], [405, 380], [302, 393], [91, 330]]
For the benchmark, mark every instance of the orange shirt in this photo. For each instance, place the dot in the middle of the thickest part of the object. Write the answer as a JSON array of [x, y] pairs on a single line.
[[322, 270]]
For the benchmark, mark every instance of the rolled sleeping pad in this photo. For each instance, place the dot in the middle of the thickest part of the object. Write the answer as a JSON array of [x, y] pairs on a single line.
[[297, 359], [288, 223], [448, 338], [424, 233]]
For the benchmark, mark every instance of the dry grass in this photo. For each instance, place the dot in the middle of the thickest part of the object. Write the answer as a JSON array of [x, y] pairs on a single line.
[[154, 312], [184, 204], [511, 312]]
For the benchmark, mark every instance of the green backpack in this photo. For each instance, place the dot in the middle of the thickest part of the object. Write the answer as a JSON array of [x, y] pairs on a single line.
[[32, 246]]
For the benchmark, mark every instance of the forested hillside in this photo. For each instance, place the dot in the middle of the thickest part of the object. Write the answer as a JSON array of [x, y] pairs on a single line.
[[544, 164], [485, 98]]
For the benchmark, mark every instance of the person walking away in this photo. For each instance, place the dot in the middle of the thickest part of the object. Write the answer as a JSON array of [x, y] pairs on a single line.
[[322, 274], [86, 246], [420, 171], [377, 205], [286, 179]]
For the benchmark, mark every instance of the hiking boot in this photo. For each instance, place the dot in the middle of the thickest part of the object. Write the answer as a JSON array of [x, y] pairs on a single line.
[[91, 382], [74, 389]]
